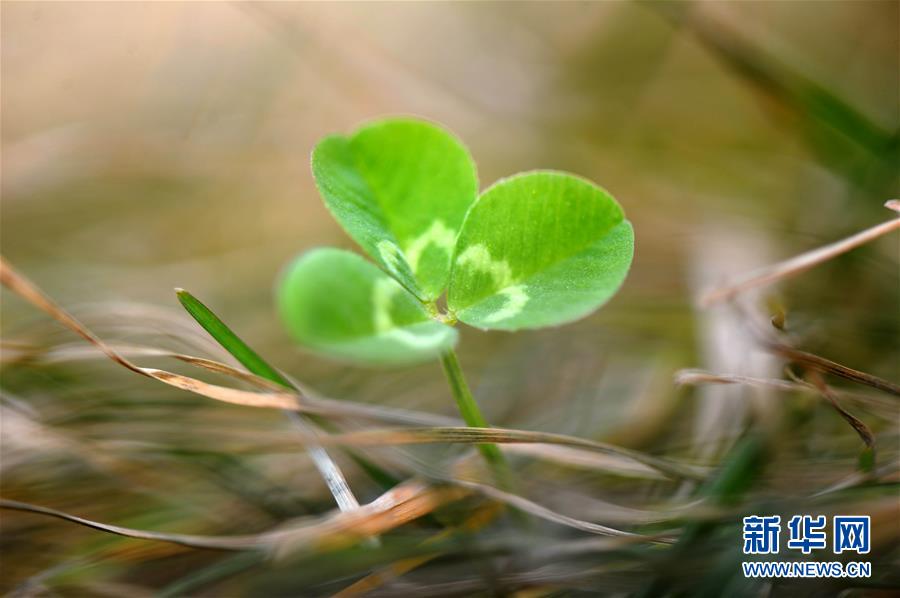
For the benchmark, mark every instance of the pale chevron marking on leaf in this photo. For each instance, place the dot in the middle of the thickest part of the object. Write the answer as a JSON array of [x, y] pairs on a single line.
[[382, 295], [391, 255], [478, 257], [438, 234], [516, 298], [418, 341]]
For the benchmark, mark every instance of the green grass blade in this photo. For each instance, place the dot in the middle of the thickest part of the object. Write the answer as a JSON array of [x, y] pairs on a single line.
[[251, 360], [230, 341]]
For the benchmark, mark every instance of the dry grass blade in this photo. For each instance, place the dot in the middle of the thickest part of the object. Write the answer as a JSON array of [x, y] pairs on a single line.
[[28, 291], [694, 377], [398, 506], [579, 458], [225, 394], [391, 572], [817, 384], [543, 512], [830, 367], [503, 436], [302, 403], [802, 262], [221, 368], [862, 429], [16, 352], [479, 519], [67, 353], [883, 472], [249, 542]]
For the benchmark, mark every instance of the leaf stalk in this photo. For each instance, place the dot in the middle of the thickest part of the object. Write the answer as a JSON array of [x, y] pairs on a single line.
[[473, 417]]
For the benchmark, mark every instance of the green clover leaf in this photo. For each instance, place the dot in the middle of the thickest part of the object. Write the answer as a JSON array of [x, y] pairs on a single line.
[[401, 189], [539, 249], [338, 304]]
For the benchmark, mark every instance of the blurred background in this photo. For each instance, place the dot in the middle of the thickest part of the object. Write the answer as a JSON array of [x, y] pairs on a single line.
[[147, 146]]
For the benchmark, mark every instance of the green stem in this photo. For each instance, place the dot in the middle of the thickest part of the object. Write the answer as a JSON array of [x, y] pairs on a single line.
[[471, 414]]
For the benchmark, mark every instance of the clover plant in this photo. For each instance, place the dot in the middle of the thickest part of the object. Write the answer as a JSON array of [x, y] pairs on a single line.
[[537, 249]]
